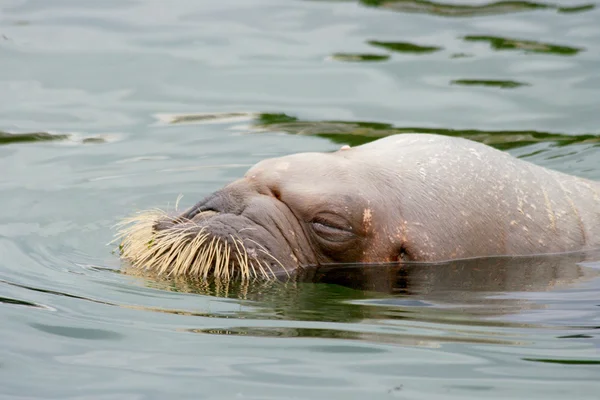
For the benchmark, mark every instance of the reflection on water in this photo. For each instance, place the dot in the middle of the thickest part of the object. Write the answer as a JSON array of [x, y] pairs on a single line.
[[356, 133], [472, 10], [467, 294], [464, 281], [529, 46], [354, 57], [490, 83], [564, 362], [7, 138], [6, 300], [219, 118], [78, 333], [10, 138], [458, 282], [404, 47], [429, 340]]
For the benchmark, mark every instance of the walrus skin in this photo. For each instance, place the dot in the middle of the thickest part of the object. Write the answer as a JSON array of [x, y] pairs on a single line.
[[408, 197]]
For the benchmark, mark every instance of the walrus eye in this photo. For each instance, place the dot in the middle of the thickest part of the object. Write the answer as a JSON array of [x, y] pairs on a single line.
[[330, 230]]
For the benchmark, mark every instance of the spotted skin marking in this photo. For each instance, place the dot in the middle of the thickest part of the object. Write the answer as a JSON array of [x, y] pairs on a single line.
[[551, 215], [367, 219], [567, 194]]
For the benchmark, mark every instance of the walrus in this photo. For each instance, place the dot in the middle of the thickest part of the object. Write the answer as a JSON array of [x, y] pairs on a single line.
[[402, 198]]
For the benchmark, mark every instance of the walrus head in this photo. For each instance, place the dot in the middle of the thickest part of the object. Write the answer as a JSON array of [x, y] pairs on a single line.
[[409, 197], [285, 213]]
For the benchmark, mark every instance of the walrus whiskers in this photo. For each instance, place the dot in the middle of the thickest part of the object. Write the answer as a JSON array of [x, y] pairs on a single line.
[[203, 258], [188, 255], [251, 265], [262, 270], [197, 264], [268, 254], [175, 243], [177, 202], [195, 258], [269, 267], [220, 263], [186, 249], [245, 269], [164, 250], [178, 249], [227, 252], [239, 260], [210, 260], [219, 247]]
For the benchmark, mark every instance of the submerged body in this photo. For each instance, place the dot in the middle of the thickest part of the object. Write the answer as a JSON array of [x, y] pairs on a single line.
[[409, 197]]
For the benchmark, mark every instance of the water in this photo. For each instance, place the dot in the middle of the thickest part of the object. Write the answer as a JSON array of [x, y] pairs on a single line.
[[113, 106]]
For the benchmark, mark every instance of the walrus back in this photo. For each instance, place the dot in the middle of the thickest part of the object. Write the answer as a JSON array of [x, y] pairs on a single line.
[[461, 198]]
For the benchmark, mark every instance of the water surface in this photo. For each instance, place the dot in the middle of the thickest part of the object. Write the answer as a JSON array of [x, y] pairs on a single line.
[[113, 106]]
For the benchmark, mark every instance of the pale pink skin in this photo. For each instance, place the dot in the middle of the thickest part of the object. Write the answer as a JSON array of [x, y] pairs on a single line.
[[409, 197]]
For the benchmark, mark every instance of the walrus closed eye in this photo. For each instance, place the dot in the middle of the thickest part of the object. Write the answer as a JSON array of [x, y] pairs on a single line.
[[409, 197]]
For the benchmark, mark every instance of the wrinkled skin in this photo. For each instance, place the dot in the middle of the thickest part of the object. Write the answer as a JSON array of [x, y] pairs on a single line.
[[411, 197]]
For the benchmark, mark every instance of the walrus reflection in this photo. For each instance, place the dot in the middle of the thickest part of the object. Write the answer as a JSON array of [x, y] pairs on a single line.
[[470, 282], [483, 287], [463, 296]]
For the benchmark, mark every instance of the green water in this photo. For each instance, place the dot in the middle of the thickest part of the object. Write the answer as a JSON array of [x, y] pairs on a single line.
[[107, 107]]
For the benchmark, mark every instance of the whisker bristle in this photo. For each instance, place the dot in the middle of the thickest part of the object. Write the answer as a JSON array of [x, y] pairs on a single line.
[[188, 250]]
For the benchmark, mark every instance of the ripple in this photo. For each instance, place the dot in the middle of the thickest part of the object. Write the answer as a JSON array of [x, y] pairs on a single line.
[[54, 292], [346, 349], [460, 55], [489, 83], [474, 297], [7, 300], [468, 10], [31, 137], [356, 133], [358, 57], [9, 138], [372, 337], [405, 47], [204, 118], [527, 46], [564, 361], [78, 333], [580, 336]]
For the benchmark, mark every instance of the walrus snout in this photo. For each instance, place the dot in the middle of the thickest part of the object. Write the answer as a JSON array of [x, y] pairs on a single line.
[[234, 199], [171, 222], [204, 215], [236, 231]]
